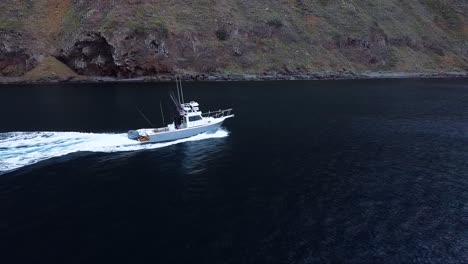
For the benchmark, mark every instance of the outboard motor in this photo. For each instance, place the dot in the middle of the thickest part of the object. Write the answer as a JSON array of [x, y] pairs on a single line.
[[133, 134]]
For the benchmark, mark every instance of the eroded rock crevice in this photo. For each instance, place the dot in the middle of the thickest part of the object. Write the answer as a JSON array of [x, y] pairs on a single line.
[[15, 59], [142, 53], [127, 54], [371, 50], [91, 55]]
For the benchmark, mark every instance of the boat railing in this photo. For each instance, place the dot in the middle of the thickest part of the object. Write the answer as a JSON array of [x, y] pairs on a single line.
[[162, 129], [218, 114]]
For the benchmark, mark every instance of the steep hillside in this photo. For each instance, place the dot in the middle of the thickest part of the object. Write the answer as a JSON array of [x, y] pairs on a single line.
[[131, 38]]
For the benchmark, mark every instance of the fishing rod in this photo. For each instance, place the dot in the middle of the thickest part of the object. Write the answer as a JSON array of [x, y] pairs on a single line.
[[143, 115], [178, 93], [177, 105], [181, 91], [162, 115]]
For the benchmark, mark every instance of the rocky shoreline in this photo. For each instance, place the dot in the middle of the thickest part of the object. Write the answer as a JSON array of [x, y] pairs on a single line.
[[343, 75]]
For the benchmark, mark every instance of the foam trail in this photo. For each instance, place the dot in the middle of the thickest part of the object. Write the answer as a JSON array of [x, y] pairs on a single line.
[[19, 149]]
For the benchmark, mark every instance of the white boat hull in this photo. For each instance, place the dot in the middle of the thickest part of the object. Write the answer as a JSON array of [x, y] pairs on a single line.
[[183, 133], [171, 135]]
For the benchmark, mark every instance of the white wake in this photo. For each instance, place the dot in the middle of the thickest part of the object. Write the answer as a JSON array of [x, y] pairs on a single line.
[[19, 149]]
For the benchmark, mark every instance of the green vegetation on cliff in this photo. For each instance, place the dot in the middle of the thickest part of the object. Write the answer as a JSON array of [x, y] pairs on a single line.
[[130, 38]]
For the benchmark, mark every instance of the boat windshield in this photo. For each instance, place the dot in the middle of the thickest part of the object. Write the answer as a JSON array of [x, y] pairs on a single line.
[[195, 118]]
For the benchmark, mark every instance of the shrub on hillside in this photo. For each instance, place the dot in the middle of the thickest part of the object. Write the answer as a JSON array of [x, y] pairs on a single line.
[[275, 22], [222, 34]]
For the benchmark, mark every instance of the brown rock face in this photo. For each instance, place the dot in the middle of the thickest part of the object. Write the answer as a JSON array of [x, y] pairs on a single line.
[[140, 53], [91, 54], [371, 50], [15, 59], [130, 38], [125, 54]]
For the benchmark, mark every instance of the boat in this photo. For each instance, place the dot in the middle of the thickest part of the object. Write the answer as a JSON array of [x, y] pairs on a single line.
[[189, 121]]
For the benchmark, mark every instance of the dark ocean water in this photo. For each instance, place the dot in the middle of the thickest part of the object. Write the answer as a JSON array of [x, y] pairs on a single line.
[[371, 171]]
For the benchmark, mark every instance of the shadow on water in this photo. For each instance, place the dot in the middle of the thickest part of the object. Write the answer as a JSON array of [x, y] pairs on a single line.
[[196, 159]]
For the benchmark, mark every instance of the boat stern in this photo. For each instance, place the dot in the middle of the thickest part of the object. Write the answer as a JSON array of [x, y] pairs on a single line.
[[133, 135], [136, 135]]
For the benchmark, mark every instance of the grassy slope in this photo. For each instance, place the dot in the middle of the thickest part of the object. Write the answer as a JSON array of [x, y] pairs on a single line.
[[50, 68], [270, 34]]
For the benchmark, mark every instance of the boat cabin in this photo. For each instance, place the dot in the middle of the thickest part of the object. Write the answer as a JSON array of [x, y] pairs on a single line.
[[190, 116]]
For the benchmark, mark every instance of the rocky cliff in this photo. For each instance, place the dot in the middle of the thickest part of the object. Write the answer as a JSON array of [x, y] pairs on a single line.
[[131, 38]]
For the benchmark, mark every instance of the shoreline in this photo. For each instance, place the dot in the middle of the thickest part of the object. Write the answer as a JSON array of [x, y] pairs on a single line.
[[214, 77]]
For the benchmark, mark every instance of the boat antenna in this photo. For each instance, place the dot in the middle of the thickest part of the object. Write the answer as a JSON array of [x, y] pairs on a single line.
[[162, 115], [143, 115]]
